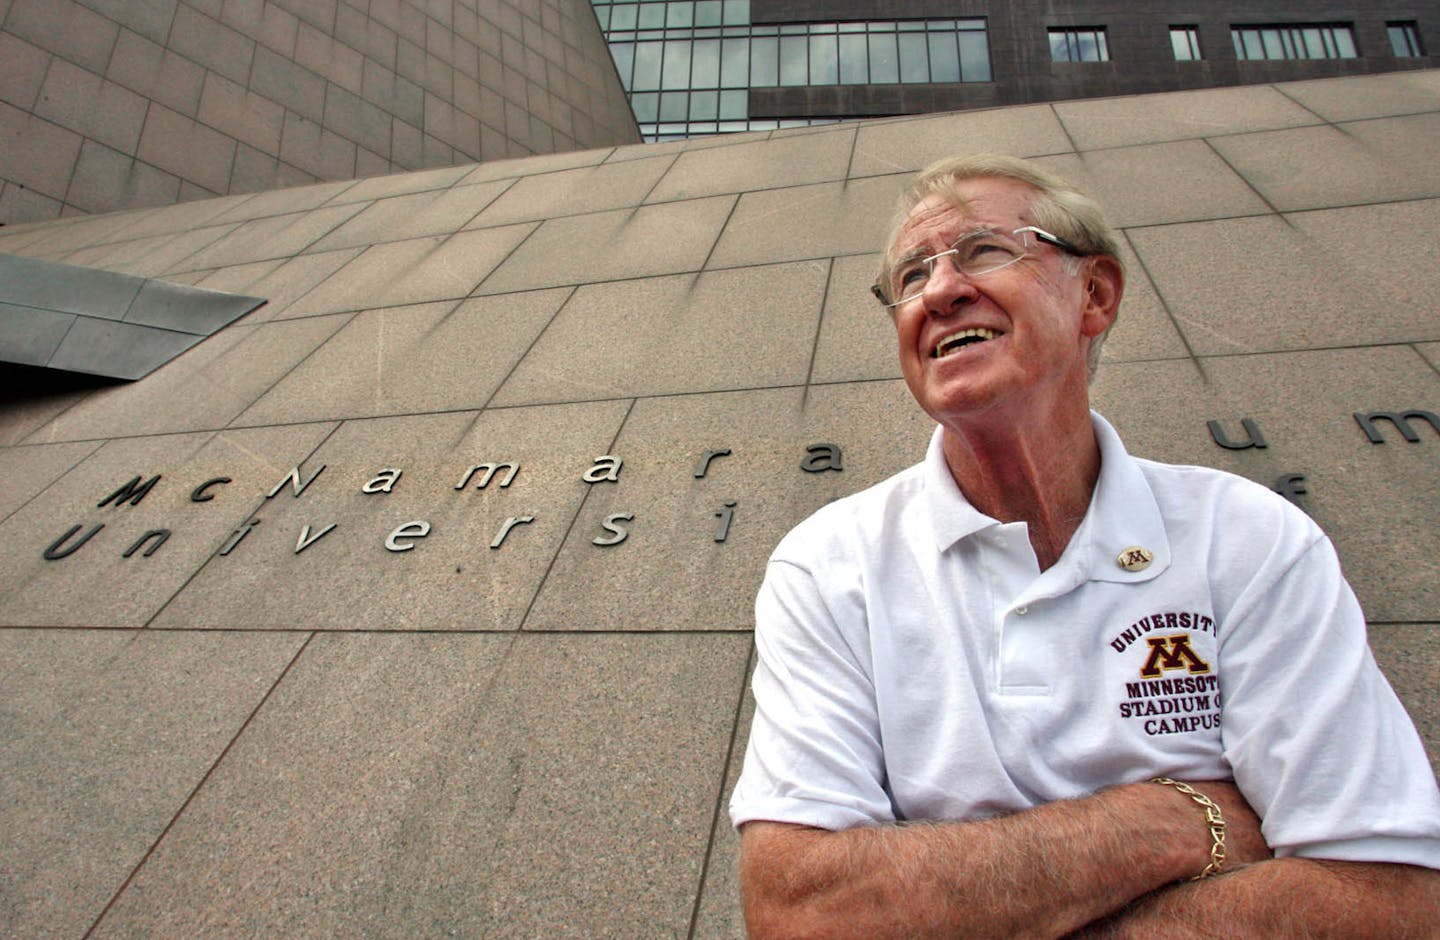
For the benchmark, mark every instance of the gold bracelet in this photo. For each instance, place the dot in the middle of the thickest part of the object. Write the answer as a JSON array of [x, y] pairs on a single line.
[[1213, 818]]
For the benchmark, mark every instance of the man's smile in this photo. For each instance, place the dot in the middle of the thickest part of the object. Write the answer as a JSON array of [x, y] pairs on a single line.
[[961, 339]]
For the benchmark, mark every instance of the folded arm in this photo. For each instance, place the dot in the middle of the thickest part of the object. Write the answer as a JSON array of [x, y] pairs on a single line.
[[1288, 898], [1044, 872]]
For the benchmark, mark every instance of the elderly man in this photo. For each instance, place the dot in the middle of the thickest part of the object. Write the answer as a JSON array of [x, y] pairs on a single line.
[[1036, 687]]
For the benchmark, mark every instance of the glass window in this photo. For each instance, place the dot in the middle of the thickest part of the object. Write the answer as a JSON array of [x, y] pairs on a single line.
[[624, 55], [824, 63], [708, 13], [705, 64], [974, 56], [1404, 39], [704, 105], [944, 58], [647, 66], [646, 106], [884, 66], [1298, 41], [914, 59], [622, 16], [673, 105], [1079, 44], [764, 61], [677, 65], [602, 16], [734, 63], [854, 59], [1185, 43], [680, 15], [734, 105], [794, 69], [675, 47]]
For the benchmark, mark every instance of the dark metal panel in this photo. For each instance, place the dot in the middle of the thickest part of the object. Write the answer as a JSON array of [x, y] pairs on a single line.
[[101, 323], [49, 285], [119, 350], [29, 336], [187, 309]]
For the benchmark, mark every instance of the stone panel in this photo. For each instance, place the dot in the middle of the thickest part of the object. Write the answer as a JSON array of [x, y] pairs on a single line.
[[156, 73], [94, 584], [647, 241], [686, 333], [104, 736], [789, 161], [65, 28], [191, 151], [882, 148], [670, 572], [1379, 502], [35, 153], [449, 580], [408, 360], [106, 179], [808, 222], [1149, 119], [452, 810], [1311, 168], [22, 70], [1310, 296]]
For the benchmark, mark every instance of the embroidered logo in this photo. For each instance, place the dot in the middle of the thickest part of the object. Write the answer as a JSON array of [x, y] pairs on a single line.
[[1171, 652]]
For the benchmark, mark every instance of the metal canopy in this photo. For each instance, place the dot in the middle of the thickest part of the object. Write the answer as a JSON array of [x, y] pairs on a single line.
[[73, 319]]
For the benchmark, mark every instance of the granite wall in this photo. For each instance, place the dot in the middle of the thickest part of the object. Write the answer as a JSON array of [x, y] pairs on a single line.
[[108, 104], [369, 685]]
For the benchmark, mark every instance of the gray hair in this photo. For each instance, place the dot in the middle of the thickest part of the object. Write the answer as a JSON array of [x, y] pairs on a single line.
[[1058, 207]]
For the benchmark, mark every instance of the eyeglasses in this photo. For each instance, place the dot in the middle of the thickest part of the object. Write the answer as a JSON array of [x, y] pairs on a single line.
[[973, 254]]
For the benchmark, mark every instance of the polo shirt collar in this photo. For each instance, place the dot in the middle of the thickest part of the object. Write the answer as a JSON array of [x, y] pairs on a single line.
[[1123, 513]]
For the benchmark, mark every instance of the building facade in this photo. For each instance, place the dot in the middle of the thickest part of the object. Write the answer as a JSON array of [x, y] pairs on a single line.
[[106, 104], [707, 66]]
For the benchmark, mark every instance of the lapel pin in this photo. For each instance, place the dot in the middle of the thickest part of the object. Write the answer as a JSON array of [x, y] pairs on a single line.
[[1135, 558]]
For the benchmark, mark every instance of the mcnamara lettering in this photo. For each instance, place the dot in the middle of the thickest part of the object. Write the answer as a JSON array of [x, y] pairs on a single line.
[[606, 468]]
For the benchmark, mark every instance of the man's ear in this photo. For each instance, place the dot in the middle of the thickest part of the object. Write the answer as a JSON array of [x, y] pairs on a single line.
[[1105, 284]]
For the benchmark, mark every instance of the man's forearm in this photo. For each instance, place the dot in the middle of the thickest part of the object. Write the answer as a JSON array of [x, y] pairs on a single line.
[[1287, 899], [1040, 873]]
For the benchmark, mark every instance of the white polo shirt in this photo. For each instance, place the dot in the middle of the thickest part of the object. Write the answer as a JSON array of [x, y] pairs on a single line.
[[915, 663]]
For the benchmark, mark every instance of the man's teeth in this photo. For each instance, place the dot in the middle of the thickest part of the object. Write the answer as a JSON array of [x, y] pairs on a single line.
[[963, 338]]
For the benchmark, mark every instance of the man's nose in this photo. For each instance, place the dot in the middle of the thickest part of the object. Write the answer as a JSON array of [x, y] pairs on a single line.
[[947, 287]]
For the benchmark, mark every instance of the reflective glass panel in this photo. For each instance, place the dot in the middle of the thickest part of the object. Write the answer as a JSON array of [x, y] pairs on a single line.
[[944, 58], [647, 66], [704, 105], [646, 105], [824, 63], [705, 64], [673, 105], [764, 61], [884, 66], [652, 16], [680, 15], [854, 59], [737, 12], [734, 105], [677, 65], [623, 16], [624, 55], [1344, 42], [914, 59], [734, 63], [708, 13], [974, 56], [794, 70]]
